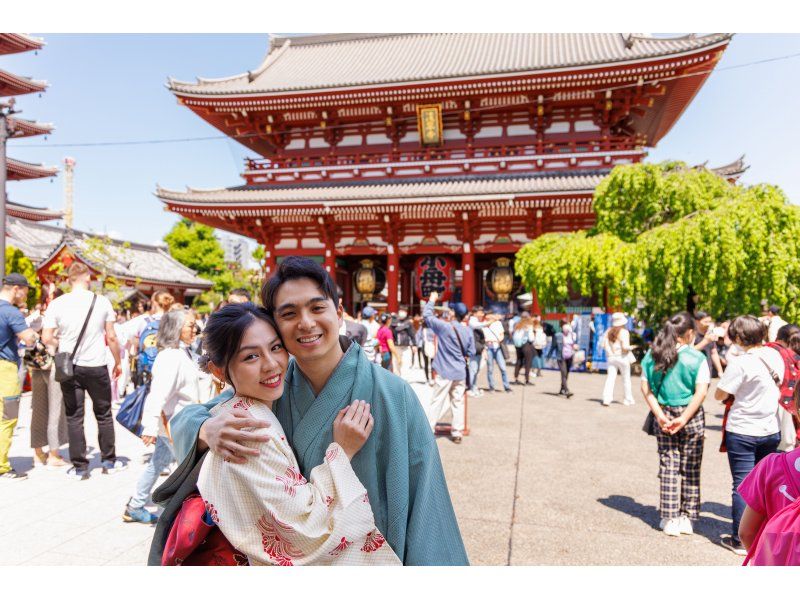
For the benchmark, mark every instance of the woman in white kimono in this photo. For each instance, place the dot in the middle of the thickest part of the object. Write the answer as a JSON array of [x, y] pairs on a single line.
[[265, 507]]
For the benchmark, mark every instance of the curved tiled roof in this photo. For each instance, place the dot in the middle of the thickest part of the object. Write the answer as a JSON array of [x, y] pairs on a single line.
[[17, 170], [29, 128], [348, 60], [421, 189], [13, 85], [32, 213], [11, 43], [127, 261]]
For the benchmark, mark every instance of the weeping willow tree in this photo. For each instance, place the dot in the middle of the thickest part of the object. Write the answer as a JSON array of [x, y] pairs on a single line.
[[665, 229]]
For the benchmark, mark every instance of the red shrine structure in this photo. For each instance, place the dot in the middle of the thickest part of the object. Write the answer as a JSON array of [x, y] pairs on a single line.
[[434, 153], [14, 85]]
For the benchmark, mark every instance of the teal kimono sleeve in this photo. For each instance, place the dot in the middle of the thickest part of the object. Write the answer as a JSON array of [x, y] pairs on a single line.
[[185, 425], [432, 534]]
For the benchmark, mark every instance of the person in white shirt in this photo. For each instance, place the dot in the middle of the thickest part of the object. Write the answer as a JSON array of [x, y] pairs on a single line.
[[494, 335], [752, 430], [174, 385], [617, 345], [774, 322], [66, 315]]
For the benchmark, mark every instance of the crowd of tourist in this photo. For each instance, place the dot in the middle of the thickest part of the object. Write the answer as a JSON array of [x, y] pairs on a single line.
[[78, 345]]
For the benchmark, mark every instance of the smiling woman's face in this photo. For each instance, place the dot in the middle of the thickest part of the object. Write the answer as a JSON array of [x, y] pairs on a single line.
[[257, 369]]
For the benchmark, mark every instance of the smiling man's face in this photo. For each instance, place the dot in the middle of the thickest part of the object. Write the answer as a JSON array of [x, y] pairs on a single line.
[[308, 321]]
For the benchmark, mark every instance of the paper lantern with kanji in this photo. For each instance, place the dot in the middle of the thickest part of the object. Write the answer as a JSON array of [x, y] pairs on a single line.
[[434, 273]]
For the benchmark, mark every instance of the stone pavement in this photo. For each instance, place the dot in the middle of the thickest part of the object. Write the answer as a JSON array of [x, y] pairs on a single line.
[[539, 480]]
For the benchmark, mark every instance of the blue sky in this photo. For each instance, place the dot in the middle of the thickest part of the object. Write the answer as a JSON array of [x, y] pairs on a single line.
[[111, 88]]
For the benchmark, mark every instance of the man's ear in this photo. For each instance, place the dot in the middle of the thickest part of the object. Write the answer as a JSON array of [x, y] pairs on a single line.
[[340, 312]]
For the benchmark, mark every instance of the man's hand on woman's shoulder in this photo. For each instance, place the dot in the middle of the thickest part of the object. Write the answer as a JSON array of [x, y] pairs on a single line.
[[223, 434]]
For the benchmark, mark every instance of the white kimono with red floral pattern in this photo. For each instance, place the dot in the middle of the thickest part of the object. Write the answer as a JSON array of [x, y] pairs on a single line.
[[268, 511]]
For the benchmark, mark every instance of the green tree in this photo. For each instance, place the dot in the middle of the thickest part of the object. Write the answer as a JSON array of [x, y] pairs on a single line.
[[637, 197], [16, 261], [196, 246], [670, 229]]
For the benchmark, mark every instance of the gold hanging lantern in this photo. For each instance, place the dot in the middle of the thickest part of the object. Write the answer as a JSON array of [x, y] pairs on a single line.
[[501, 279], [369, 280]]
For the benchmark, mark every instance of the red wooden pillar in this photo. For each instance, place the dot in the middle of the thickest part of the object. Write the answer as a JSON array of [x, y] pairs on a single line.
[[468, 276], [392, 275], [535, 309], [270, 262], [330, 260], [405, 289]]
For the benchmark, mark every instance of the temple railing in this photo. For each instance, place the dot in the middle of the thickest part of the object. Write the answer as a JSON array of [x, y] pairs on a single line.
[[434, 162]]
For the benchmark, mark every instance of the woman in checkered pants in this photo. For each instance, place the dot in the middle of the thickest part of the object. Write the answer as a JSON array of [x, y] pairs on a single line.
[[675, 379]]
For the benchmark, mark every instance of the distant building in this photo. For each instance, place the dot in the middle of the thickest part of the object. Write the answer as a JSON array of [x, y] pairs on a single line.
[[393, 148], [236, 250], [140, 269]]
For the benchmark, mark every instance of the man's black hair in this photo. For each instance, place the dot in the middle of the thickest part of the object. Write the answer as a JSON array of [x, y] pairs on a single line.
[[293, 268], [241, 293]]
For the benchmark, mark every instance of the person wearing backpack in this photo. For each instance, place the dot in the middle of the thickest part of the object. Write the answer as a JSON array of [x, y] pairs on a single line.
[[175, 384], [751, 431], [145, 337], [773, 485], [675, 379], [539, 345], [522, 336], [787, 343]]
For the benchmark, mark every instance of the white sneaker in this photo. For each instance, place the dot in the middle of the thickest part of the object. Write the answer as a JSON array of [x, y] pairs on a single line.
[[672, 527], [685, 525], [628, 403], [662, 523]]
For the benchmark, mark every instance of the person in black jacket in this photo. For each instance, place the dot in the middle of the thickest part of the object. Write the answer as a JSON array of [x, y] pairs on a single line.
[[478, 316], [403, 330]]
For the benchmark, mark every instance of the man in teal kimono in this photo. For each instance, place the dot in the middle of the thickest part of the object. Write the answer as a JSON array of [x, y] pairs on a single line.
[[399, 465]]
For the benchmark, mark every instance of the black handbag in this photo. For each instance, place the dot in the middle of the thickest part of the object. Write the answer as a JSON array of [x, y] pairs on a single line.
[[64, 362], [464, 353], [650, 424]]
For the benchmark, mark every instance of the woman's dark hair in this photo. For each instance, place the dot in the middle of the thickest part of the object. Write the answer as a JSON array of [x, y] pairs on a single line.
[[292, 268], [613, 334], [747, 331], [665, 353], [789, 335], [224, 331]]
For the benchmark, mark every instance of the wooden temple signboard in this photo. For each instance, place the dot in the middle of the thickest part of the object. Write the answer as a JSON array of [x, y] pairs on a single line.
[[376, 152]]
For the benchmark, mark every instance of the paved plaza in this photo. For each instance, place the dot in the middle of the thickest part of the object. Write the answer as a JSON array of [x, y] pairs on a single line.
[[540, 480]]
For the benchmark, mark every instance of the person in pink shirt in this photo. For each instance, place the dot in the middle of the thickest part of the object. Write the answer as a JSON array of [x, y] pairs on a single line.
[[773, 484], [385, 341]]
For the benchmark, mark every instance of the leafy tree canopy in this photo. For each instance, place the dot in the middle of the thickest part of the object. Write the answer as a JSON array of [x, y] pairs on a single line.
[[16, 261], [637, 197], [733, 245], [197, 247]]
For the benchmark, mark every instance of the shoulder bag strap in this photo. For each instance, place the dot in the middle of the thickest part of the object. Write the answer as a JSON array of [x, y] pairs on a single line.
[[775, 378], [85, 322], [460, 344]]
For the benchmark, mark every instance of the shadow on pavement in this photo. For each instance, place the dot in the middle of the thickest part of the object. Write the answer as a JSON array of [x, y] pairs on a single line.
[[710, 528]]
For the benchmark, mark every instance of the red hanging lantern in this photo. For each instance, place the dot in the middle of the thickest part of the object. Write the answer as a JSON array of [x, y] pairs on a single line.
[[434, 273]]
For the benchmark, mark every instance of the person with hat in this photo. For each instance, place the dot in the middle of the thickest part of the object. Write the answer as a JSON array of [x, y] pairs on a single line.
[[13, 329], [455, 347], [619, 357]]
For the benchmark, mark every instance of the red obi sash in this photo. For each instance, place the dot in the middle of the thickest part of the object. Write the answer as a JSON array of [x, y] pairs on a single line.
[[193, 541]]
